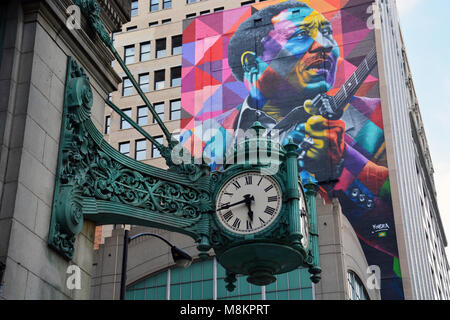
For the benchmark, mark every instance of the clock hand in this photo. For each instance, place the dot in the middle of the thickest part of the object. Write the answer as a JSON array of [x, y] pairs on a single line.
[[231, 205], [248, 202]]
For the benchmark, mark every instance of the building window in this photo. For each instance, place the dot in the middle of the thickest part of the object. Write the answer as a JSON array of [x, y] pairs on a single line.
[[161, 48], [247, 2], [175, 109], [177, 44], [165, 21], [140, 149], [127, 87], [142, 115], [190, 1], [129, 54], [160, 79], [153, 23], [219, 9], [124, 148], [144, 82], [145, 51], [154, 5], [175, 76], [205, 280], [134, 8], [204, 12], [356, 288], [159, 108], [107, 124], [167, 4], [190, 15], [124, 124], [132, 28], [155, 151]]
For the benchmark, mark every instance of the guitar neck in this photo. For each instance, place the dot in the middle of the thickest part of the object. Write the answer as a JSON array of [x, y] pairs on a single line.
[[348, 90]]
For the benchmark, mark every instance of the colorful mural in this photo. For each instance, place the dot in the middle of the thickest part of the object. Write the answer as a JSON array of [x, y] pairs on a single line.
[[308, 69]]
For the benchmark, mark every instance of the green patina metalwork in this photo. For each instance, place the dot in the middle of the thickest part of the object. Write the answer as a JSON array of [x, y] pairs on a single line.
[[98, 183]]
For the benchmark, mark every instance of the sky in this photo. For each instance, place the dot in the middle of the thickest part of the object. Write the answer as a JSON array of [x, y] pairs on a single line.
[[425, 27]]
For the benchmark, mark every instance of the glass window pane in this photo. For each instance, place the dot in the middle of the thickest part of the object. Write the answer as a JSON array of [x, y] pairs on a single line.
[[142, 117], [197, 290], [160, 48], [107, 124], [282, 281], [134, 8], [175, 76], [244, 286], [256, 297], [154, 5], [124, 124], [150, 294], [145, 51], [177, 43], [159, 108], [294, 279], [167, 4], [129, 295], [175, 275], [124, 148], [140, 294], [127, 87], [160, 78], [161, 293], [294, 294], [144, 82], [283, 295], [305, 281], [175, 109], [141, 150], [175, 292], [208, 269], [161, 279], [197, 272], [208, 289], [186, 291], [155, 151], [129, 54], [307, 294]]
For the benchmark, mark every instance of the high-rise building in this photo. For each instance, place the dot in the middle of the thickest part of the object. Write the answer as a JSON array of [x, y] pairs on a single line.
[[212, 67]]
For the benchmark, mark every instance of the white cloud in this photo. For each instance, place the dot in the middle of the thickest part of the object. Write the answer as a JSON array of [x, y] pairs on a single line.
[[405, 6]]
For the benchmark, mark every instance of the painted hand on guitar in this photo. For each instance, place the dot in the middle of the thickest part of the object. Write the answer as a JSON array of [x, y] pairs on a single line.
[[321, 142]]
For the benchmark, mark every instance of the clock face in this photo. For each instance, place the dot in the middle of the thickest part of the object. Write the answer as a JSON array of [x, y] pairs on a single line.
[[304, 216], [248, 203]]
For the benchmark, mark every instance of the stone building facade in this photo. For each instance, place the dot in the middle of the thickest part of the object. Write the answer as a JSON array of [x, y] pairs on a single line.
[[35, 47]]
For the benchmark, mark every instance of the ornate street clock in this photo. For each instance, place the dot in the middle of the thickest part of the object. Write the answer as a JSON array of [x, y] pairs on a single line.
[[254, 214], [261, 223]]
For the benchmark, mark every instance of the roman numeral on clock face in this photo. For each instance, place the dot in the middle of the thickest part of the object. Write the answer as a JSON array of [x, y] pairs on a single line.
[[236, 184], [249, 225], [268, 188], [227, 216], [236, 223], [269, 210], [272, 199], [248, 180]]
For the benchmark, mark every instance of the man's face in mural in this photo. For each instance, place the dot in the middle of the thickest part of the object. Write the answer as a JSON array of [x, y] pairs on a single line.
[[299, 59]]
